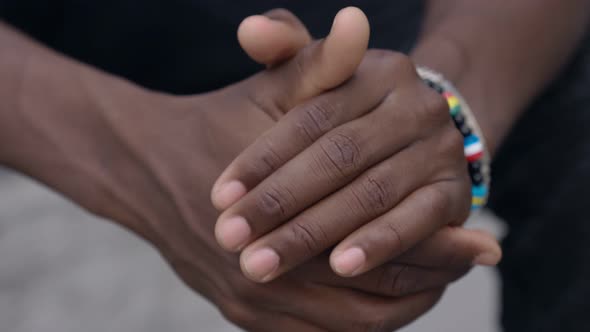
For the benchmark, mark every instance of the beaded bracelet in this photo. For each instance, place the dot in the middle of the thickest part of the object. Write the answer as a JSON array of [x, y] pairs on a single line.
[[478, 158]]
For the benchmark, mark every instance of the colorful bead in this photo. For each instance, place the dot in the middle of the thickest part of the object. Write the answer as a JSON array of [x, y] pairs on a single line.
[[465, 130], [454, 103], [477, 203], [477, 178], [473, 145], [459, 119], [473, 148], [474, 167], [479, 191]]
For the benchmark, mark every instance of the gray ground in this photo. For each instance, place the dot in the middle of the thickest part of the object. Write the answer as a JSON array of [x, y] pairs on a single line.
[[64, 271]]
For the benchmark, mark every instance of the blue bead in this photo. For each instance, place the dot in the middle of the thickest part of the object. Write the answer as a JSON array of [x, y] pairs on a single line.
[[471, 139], [479, 191]]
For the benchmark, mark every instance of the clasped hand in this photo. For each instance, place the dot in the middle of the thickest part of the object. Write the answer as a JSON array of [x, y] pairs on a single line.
[[332, 145]]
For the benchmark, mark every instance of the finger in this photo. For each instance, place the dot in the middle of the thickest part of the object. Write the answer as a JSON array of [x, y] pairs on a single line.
[[321, 66], [390, 279], [439, 260], [454, 247], [273, 37], [413, 220], [398, 280], [338, 309], [332, 219]]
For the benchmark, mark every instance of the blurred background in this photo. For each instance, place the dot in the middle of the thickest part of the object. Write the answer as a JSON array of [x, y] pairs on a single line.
[[62, 270]]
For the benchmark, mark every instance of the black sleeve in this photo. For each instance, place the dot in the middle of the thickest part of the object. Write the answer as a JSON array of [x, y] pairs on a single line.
[[541, 187]]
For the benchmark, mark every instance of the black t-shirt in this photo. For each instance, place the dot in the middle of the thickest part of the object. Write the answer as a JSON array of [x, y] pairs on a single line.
[[186, 46]]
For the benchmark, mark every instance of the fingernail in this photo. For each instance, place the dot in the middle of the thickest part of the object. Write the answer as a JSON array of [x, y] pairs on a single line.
[[232, 233], [350, 261], [228, 193], [260, 264], [487, 259]]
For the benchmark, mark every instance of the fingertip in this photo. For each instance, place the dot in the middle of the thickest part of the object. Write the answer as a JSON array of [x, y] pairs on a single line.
[[488, 259], [232, 233], [226, 194], [347, 42], [269, 41], [251, 37], [349, 262], [490, 252], [353, 20], [485, 240], [260, 265]]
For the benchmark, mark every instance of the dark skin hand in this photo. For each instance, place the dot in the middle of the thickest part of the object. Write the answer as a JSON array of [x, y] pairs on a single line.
[[147, 161], [372, 180]]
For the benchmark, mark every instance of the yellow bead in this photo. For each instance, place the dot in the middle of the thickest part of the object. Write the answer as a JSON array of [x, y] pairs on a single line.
[[453, 102], [477, 201]]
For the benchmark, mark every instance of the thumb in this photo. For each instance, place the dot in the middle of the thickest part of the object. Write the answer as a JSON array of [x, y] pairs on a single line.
[[273, 37], [322, 65]]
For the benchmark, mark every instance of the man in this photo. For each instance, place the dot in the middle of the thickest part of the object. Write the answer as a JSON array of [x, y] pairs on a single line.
[[131, 154]]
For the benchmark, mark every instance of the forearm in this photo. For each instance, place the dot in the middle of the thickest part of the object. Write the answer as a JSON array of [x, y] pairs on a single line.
[[43, 94], [54, 119], [500, 54]]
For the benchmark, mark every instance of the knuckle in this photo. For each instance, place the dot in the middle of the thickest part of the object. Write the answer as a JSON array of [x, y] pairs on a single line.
[[270, 160], [439, 201], [374, 195], [394, 281], [317, 119], [453, 144], [399, 64], [312, 235], [386, 59], [405, 66], [396, 244], [275, 201], [342, 152], [433, 108], [448, 147], [376, 67], [453, 171], [379, 191]]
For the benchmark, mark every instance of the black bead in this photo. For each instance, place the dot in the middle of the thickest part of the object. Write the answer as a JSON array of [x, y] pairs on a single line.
[[475, 166], [477, 178], [459, 119], [465, 130]]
